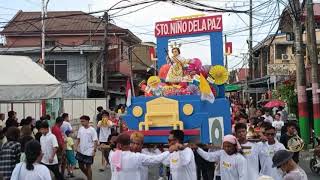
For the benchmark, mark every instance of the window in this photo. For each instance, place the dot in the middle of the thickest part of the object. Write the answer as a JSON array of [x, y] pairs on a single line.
[[98, 73], [50, 43], [280, 49], [91, 72], [94, 42], [58, 69]]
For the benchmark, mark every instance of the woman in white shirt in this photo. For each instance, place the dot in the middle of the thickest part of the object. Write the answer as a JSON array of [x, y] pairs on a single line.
[[31, 168]]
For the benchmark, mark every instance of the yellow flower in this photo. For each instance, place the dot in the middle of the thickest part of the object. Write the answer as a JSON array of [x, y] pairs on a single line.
[[153, 81], [220, 74]]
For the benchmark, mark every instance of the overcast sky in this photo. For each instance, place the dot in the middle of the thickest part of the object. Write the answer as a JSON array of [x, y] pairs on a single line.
[[142, 22]]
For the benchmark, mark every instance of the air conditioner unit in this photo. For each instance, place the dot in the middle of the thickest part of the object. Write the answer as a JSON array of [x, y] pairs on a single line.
[[285, 58]]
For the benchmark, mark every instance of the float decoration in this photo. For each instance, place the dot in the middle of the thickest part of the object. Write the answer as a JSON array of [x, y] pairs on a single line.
[[219, 74], [186, 81]]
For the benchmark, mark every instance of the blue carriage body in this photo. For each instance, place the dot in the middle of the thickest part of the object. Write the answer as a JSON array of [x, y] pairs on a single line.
[[208, 121]]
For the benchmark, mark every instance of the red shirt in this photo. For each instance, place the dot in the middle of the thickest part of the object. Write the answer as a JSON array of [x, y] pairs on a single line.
[[57, 132]]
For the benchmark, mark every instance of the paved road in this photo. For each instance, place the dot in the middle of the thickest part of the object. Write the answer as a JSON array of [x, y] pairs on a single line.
[[97, 175]]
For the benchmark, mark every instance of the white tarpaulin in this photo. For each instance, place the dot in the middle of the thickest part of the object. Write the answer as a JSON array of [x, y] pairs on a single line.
[[21, 79]]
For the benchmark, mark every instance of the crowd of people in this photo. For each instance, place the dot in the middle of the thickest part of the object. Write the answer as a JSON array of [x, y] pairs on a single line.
[[257, 149]]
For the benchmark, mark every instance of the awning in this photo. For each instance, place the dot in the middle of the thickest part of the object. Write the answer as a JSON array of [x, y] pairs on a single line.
[[21, 79], [232, 87]]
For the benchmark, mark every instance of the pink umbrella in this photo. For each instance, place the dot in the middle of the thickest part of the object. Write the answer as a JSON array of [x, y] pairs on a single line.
[[274, 103]]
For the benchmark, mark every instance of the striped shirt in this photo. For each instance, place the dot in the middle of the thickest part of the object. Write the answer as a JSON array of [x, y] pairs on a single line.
[[9, 157]]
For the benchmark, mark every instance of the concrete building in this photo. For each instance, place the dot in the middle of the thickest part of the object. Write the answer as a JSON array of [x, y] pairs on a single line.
[[74, 54]]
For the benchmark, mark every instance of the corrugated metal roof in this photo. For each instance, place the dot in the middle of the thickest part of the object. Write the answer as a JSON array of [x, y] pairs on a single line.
[[76, 21]]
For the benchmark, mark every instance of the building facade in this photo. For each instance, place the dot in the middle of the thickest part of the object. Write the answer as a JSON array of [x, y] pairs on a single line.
[[74, 50]]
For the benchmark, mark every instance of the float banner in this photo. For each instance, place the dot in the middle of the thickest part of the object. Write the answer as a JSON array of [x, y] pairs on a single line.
[[189, 26]]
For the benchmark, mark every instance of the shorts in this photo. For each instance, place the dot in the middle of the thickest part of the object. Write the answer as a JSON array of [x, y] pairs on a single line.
[[61, 156], [84, 159], [71, 158]]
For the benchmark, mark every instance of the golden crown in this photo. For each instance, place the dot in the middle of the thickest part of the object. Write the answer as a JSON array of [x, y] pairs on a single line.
[[175, 45]]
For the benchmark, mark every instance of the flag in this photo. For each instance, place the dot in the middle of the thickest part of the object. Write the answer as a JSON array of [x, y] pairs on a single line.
[[205, 90], [128, 93]]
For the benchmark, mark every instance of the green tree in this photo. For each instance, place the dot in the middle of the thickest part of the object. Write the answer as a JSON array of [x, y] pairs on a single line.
[[286, 92]]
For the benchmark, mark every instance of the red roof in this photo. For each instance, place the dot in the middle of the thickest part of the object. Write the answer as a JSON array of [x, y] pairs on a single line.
[[64, 22]]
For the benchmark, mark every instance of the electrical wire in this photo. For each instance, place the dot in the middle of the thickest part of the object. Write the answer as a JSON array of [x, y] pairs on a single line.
[[124, 14]]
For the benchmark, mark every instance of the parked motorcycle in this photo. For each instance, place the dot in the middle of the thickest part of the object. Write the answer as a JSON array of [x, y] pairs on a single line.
[[315, 161]]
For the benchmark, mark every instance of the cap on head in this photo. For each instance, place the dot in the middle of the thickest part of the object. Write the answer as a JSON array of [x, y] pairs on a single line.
[[281, 157]]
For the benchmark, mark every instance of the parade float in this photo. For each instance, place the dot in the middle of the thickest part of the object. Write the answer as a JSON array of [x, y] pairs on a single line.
[[184, 94]]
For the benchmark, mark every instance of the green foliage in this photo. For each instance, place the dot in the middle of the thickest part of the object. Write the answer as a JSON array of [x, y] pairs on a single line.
[[287, 93]]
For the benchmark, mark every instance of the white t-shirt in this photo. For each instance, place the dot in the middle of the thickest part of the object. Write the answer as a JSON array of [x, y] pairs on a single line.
[[48, 143], [87, 137], [182, 165], [278, 125], [131, 164], [296, 174], [105, 132], [40, 172], [252, 157], [232, 167], [145, 169], [65, 126], [268, 118], [267, 152]]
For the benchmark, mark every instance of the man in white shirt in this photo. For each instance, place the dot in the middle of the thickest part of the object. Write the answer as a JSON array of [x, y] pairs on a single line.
[[233, 166], [182, 163], [268, 149], [66, 125], [282, 160], [49, 147], [126, 165], [136, 144], [250, 150], [86, 146]]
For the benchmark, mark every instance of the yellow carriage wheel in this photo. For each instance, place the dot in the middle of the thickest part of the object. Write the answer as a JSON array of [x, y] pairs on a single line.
[[188, 109]]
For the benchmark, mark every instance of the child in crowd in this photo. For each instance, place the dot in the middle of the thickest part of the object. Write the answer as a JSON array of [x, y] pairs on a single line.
[[278, 125], [70, 153], [105, 130]]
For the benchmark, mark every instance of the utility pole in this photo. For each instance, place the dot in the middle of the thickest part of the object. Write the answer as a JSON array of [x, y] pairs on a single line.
[[313, 54], [226, 55], [42, 61], [130, 52], [250, 43], [105, 58], [43, 32], [300, 71]]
